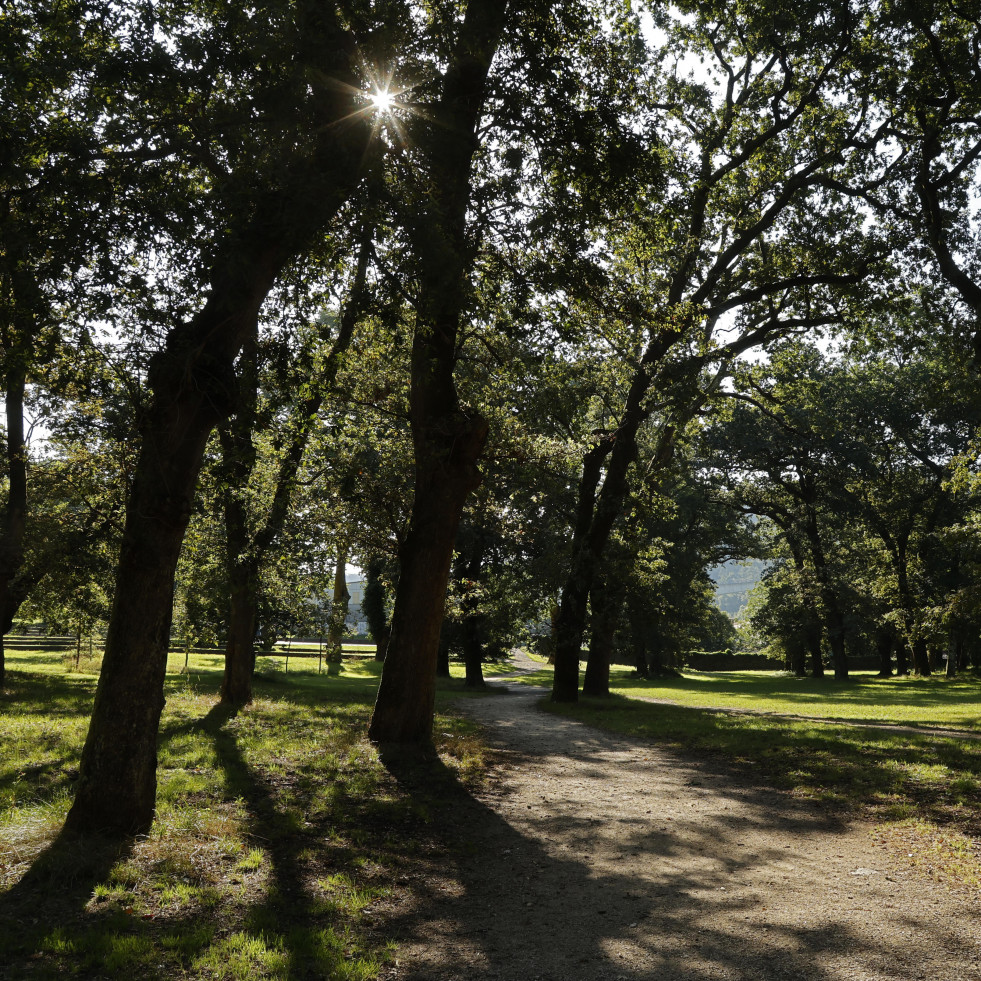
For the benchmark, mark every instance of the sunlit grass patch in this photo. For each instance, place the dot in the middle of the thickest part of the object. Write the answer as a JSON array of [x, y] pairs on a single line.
[[273, 837], [943, 853], [926, 702]]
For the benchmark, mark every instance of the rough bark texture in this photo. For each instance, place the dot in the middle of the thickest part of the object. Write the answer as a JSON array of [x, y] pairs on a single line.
[[192, 382], [406, 695], [447, 440]]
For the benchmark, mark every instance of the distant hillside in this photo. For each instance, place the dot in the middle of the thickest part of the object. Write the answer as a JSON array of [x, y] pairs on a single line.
[[733, 581]]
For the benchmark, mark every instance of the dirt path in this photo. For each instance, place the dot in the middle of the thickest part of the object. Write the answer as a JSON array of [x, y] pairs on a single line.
[[594, 857]]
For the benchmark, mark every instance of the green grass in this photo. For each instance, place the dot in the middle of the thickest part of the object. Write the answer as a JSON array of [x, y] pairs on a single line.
[[273, 841], [925, 702]]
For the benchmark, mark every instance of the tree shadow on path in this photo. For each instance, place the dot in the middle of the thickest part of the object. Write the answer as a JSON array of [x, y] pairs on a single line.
[[586, 871]]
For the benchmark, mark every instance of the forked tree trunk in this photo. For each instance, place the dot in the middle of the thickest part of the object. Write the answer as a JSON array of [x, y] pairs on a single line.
[[247, 541], [597, 513], [568, 620]]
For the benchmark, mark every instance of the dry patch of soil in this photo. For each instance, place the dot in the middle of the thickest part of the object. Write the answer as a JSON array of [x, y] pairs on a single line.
[[589, 856]]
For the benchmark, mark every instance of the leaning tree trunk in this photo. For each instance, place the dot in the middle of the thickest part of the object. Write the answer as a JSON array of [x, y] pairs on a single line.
[[406, 695], [192, 384], [447, 441], [597, 513], [15, 511], [569, 618]]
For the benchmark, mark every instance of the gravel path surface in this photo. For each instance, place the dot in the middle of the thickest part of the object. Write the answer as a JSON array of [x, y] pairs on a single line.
[[596, 857]]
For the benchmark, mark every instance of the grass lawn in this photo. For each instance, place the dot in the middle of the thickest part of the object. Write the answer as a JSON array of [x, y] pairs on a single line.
[[278, 830], [924, 702]]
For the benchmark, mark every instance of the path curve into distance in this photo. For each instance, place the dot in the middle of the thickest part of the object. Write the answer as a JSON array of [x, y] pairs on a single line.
[[592, 857]]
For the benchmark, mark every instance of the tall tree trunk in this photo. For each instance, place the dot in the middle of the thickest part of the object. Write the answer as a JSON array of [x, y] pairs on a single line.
[[885, 641], [447, 440], [953, 656], [473, 652], [443, 656], [598, 512], [15, 512], [812, 618], [238, 458], [373, 607], [247, 542], [902, 658], [339, 605], [471, 572], [243, 612], [192, 384], [569, 619], [406, 695], [606, 601], [921, 658], [833, 617]]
